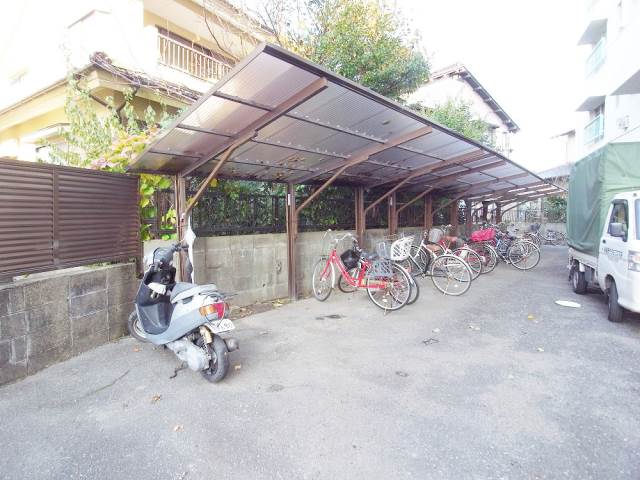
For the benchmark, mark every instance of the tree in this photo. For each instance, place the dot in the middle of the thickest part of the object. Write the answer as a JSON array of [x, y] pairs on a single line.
[[110, 140], [364, 40], [456, 114]]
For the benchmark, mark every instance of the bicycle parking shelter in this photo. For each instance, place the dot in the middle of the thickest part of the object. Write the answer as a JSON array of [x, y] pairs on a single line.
[[276, 117]]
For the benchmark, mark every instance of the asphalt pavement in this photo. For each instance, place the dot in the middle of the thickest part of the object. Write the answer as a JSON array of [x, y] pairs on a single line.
[[500, 383]]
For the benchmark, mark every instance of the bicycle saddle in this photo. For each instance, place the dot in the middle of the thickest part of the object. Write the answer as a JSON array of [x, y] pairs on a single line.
[[368, 256]]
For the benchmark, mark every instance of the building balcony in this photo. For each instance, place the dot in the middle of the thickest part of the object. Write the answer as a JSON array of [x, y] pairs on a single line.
[[594, 131], [198, 63], [596, 58]]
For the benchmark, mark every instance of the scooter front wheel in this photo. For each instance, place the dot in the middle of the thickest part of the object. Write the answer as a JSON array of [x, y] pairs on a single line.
[[219, 364], [135, 327]]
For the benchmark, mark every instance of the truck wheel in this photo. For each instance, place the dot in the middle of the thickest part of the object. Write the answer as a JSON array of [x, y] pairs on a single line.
[[578, 281], [616, 312]]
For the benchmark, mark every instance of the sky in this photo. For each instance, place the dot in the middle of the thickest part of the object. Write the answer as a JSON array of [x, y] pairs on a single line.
[[523, 52]]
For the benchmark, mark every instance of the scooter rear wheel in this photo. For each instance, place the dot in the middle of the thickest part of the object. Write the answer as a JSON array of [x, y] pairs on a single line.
[[135, 327], [219, 364]]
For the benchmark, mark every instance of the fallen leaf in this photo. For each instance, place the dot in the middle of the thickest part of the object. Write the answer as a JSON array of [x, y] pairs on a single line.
[[473, 327], [436, 330], [178, 428], [237, 367], [530, 317], [155, 398], [136, 349], [540, 349]]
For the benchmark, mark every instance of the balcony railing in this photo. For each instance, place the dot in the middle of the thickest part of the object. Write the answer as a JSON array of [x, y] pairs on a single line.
[[594, 131], [189, 60], [597, 57]]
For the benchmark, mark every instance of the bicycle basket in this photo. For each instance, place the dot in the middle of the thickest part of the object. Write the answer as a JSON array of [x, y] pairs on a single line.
[[401, 248], [380, 268], [435, 235], [350, 259]]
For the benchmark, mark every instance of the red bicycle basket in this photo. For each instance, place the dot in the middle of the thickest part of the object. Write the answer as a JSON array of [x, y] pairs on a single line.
[[483, 235]]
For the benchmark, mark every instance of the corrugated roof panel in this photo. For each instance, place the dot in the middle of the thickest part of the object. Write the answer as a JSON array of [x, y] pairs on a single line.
[[218, 114], [267, 80], [187, 142], [340, 119]]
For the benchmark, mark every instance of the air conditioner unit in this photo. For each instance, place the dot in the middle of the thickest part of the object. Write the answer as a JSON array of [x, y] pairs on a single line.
[[623, 122]]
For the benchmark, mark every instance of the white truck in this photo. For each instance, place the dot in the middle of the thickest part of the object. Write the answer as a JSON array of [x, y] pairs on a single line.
[[603, 226]]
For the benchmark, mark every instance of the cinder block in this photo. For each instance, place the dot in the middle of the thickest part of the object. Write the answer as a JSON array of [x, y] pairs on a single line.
[[86, 325], [46, 291], [48, 337], [121, 293], [92, 340], [5, 352], [11, 372], [14, 325], [49, 314], [121, 273], [88, 282], [118, 316], [85, 304], [11, 300], [39, 359], [18, 349]]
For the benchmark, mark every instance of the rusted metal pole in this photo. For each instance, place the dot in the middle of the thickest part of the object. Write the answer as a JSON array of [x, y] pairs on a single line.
[[453, 215], [428, 212], [468, 217], [392, 215], [498, 212], [360, 217], [180, 196], [292, 233], [485, 211]]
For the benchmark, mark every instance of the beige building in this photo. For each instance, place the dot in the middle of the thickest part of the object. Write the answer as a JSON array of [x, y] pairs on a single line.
[[167, 51], [456, 82]]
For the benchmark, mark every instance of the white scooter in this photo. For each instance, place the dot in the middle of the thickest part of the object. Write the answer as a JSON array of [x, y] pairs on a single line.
[[186, 318]]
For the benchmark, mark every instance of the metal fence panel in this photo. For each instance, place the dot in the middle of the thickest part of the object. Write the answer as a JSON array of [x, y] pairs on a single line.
[[56, 217]]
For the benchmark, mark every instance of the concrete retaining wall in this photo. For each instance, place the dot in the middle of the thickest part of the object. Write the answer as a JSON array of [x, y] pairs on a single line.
[[48, 318], [254, 267]]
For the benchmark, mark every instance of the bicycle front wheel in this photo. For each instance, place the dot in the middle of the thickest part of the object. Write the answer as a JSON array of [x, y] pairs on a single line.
[[524, 255], [451, 275], [322, 279], [488, 256], [390, 293]]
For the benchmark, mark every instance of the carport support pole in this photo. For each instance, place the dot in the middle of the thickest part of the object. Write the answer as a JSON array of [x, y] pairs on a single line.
[[180, 201], [485, 211], [428, 212], [292, 233], [360, 216], [392, 214], [498, 213], [453, 216], [468, 217]]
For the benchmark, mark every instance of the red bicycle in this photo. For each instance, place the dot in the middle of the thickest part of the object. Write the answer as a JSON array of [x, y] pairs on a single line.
[[388, 285]]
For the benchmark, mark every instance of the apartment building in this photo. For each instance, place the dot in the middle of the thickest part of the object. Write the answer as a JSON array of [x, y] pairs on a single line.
[[456, 82], [166, 51], [608, 110]]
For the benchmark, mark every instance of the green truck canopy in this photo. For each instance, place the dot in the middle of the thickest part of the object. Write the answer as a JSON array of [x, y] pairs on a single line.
[[594, 181]]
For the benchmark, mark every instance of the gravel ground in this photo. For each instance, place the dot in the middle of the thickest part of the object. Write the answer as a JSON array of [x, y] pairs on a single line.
[[499, 383]]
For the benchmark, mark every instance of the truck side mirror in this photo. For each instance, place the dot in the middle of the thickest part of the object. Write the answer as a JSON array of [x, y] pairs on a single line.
[[617, 229]]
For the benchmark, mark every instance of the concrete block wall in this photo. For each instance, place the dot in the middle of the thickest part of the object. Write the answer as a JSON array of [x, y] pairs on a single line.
[[253, 267], [50, 317]]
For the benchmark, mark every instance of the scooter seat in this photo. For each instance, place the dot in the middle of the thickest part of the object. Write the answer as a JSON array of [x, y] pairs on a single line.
[[180, 287]]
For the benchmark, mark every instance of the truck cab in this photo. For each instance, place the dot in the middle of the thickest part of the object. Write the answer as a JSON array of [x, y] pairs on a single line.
[[618, 264]]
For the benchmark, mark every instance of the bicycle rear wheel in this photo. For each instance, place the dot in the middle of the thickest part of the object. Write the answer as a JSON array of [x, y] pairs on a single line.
[[523, 255], [420, 258], [390, 293], [412, 269], [322, 279], [487, 254], [451, 275], [345, 286]]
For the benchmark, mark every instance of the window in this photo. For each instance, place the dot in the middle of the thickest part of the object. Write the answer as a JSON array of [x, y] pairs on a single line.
[[619, 214]]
